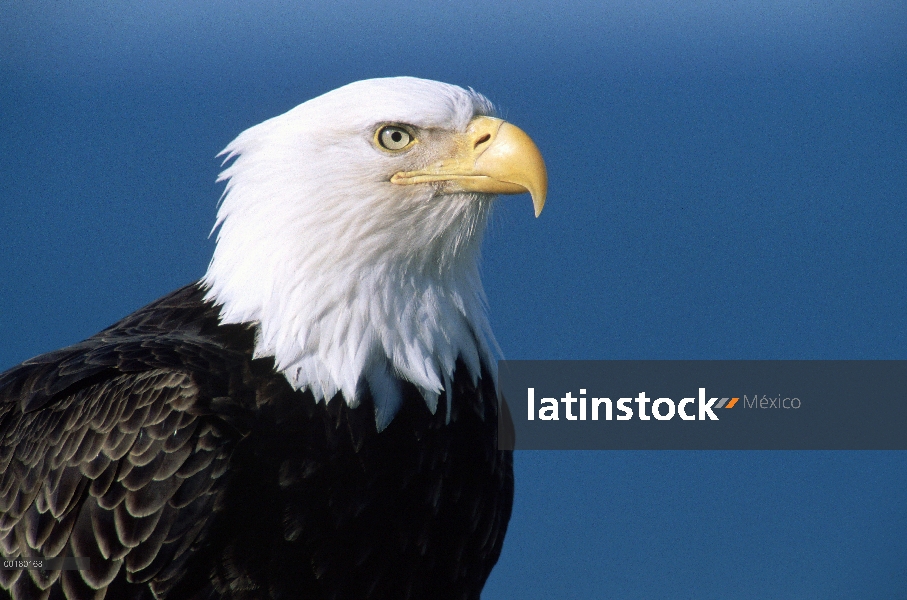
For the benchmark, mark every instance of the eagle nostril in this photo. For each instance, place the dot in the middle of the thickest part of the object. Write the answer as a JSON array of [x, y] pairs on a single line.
[[482, 140]]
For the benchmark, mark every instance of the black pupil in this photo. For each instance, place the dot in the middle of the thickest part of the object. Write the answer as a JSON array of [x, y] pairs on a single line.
[[396, 136]]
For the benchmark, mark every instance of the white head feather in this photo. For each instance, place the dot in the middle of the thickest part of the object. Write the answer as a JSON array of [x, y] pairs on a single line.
[[354, 281]]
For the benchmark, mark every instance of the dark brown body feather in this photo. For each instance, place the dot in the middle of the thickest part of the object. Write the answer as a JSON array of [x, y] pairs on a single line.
[[185, 469]]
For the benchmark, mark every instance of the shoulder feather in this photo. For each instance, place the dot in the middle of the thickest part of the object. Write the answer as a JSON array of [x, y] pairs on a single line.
[[115, 449]]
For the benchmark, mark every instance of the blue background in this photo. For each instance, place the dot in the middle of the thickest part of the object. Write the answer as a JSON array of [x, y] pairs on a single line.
[[728, 181]]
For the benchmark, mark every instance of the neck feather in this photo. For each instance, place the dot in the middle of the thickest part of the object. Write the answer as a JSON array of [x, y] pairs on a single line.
[[352, 311]]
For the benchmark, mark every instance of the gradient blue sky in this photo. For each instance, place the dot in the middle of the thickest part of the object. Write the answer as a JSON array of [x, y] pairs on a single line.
[[728, 180]]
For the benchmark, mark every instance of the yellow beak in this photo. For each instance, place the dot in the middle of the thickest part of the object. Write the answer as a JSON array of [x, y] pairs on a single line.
[[493, 157]]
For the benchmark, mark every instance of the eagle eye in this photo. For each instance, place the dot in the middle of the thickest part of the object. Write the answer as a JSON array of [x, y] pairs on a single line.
[[394, 138]]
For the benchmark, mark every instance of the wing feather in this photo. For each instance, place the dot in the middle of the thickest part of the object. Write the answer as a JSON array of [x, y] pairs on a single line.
[[110, 453]]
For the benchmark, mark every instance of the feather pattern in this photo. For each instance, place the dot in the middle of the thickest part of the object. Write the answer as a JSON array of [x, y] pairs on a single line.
[[217, 479]]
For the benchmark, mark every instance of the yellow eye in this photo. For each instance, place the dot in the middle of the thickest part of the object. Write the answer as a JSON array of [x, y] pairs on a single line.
[[391, 137]]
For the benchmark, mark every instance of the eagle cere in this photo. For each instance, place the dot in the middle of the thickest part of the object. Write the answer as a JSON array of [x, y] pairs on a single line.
[[317, 416]]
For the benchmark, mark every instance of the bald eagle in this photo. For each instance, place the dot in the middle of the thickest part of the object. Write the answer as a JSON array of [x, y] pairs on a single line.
[[317, 416]]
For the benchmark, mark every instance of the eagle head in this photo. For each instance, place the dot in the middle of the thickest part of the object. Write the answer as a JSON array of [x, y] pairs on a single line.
[[349, 234]]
